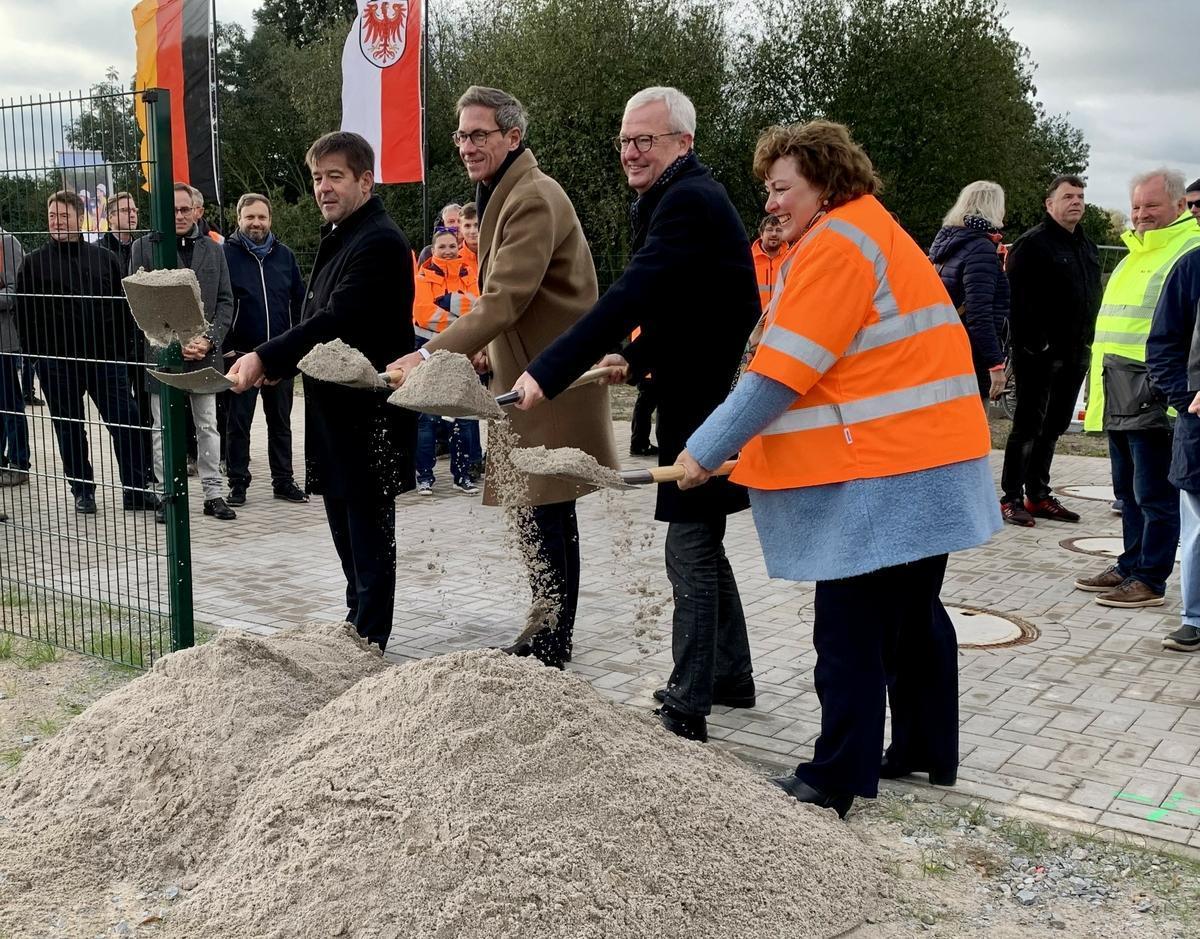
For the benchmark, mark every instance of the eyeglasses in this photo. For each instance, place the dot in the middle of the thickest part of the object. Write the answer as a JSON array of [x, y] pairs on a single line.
[[643, 142], [477, 137], [1193, 203], [188, 211]]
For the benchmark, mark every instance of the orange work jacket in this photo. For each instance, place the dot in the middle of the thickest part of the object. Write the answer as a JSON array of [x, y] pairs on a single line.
[[864, 331], [450, 282], [767, 269]]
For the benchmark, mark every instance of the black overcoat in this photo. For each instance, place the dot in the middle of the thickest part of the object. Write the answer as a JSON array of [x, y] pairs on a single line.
[[356, 445], [690, 285]]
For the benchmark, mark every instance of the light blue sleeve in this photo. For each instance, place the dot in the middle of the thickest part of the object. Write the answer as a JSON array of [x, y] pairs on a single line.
[[753, 404]]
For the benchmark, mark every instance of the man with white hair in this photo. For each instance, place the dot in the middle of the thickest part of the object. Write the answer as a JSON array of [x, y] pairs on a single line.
[[690, 286], [1124, 402]]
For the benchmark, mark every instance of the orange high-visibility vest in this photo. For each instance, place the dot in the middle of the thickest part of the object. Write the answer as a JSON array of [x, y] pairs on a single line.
[[767, 269], [471, 259], [864, 331], [436, 279]]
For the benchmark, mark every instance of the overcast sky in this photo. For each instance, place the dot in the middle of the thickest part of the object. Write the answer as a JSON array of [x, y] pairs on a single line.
[[1127, 73]]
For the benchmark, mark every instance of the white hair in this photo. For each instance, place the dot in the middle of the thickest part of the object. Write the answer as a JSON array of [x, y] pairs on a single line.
[[681, 113], [983, 198], [1172, 179], [451, 207]]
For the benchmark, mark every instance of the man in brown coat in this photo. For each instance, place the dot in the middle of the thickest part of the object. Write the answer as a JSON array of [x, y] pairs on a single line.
[[536, 279]]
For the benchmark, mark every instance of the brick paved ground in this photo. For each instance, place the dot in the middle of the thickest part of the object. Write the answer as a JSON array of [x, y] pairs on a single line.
[[1090, 723]]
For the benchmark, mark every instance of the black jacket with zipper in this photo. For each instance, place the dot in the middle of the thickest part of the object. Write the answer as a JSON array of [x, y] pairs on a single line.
[[268, 294]]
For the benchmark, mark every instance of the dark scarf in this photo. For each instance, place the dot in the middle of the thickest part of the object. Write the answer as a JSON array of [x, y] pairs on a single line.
[[185, 246], [483, 192], [260, 251], [979, 223], [656, 189]]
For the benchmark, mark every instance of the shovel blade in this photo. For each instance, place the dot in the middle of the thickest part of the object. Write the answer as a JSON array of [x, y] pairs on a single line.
[[201, 381]]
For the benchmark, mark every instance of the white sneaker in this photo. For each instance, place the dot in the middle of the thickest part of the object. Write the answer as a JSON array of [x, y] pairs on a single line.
[[465, 485], [424, 488]]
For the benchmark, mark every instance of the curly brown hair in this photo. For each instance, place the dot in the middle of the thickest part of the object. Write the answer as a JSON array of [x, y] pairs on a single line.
[[825, 155]]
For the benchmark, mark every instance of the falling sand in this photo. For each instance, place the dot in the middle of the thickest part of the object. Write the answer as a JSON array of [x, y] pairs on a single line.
[[473, 795], [566, 462], [446, 385], [341, 364]]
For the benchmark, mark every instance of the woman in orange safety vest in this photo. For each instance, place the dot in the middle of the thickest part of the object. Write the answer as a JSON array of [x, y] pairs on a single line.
[[864, 445]]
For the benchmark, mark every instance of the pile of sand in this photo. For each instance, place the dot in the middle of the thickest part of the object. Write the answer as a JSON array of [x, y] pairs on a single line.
[[166, 305], [337, 362], [566, 461], [447, 385], [470, 795]]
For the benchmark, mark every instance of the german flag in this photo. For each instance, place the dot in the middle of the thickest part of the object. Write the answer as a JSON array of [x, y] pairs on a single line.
[[173, 53]]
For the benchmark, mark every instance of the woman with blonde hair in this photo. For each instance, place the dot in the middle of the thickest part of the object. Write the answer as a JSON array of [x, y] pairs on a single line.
[[865, 449], [966, 253]]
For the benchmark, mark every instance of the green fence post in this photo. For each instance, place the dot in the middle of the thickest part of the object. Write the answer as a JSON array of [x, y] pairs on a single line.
[[173, 401]]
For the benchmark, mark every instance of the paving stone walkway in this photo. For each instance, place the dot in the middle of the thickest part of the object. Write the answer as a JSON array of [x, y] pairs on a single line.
[[1091, 722]]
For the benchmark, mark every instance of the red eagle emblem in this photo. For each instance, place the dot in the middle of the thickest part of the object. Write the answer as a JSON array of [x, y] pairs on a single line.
[[383, 31]]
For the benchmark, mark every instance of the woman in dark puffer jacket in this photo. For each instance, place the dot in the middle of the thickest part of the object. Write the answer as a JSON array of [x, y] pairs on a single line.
[[966, 253]]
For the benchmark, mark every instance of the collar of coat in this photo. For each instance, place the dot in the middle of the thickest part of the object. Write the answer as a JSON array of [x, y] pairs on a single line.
[[1057, 231], [644, 204], [485, 191], [369, 209]]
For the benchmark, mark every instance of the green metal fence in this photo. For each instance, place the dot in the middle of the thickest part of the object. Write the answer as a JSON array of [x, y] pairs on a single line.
[[84, 562]]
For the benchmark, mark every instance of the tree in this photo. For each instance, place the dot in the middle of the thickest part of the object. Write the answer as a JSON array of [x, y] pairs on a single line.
[[107, 123], [306, 22]]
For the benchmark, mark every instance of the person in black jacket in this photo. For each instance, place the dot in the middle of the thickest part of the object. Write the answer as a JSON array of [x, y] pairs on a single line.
[[268, 293], [358, 449], [121, 209], [690, 285], [1054, 271], [73, 319], [966, 254], [1173, 357]]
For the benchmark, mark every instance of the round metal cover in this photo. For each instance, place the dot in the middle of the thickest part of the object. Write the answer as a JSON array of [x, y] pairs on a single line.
[[1100, 546], [1096, 493], [985, 629]]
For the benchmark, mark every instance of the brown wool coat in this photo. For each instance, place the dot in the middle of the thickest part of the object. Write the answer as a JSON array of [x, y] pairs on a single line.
[[538, 279]]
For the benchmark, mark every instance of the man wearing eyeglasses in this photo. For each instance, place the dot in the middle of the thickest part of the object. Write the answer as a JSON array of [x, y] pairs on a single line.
[[691, 287], [1193, 198], [536, 279]]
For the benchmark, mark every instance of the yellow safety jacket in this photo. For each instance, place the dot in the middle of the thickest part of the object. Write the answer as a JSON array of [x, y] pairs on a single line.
[[1129, 301]]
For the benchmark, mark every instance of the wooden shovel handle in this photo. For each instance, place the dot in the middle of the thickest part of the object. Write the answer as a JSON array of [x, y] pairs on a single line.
[[671, 474]]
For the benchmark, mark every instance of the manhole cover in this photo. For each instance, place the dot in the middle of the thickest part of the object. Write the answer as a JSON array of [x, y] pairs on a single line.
[[1099, 546], [1097, 493], [984, 629]]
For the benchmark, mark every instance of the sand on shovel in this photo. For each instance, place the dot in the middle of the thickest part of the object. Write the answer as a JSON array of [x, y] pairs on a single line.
[[447, 385], [342, 364], [166, 305], [566, 461]]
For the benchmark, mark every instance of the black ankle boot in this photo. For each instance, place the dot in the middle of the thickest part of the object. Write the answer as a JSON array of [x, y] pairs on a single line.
[[801, 791]]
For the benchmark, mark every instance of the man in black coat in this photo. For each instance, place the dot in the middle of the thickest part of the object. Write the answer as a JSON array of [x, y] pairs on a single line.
[[358, 449], [690, 285], [1054, 272]]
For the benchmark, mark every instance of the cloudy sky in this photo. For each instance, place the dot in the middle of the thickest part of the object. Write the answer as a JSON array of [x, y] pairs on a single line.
[[1127, 73]]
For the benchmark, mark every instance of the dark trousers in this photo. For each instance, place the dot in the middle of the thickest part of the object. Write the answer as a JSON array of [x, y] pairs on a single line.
[[64, 384], [1141, 462], [364, 534], [14, 428], [880, 633], [643, 408], [708, 634], [1047, 389], [27, 378], [277, 408], [555, 530]]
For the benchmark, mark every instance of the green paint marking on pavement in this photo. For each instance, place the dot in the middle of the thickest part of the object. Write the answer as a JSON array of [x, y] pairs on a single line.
[[1172, 803]]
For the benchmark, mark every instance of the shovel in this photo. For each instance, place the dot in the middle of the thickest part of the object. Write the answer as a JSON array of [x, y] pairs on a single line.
[[575, 466], [203, 381], [509, 398], [341, 364]]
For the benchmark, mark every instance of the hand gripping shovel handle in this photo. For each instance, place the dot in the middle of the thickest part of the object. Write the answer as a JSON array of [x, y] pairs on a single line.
[[667, 474], [591, 375]]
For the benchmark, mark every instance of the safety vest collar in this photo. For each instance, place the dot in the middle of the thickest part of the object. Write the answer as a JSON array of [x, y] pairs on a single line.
[[1158, 238]]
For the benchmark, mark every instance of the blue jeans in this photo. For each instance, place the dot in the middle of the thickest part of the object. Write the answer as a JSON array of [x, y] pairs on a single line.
[[460, 460], [1189, 556], [14, 428], [1141, 462]]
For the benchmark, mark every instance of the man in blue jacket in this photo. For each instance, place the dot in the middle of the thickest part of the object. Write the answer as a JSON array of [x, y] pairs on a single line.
[[1173, 357], [268, 294]]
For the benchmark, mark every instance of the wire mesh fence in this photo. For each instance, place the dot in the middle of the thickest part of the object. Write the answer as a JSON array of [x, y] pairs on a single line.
[[84, 562]]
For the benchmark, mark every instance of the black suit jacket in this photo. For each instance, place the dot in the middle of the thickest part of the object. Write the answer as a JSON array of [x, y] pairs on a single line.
[[690, 286], [357, 446]]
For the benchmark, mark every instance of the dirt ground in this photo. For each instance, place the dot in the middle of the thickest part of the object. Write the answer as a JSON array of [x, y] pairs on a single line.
[[968, 870]]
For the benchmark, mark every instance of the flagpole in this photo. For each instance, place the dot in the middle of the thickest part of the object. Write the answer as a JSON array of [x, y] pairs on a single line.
[[424, 122], [216, 117]]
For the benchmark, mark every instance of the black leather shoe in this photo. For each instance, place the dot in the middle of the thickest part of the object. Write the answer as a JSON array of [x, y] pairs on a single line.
[[291, 492], [160, 515], [85, 504], [892, 770], [138, 501], [237, 496], [648, 450], [801, 791], [218, 509], [739, 695], [523, 650], [687, 726]]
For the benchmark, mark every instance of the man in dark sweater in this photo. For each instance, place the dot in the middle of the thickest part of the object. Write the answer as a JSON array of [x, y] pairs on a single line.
[[1054, 273], [73, 318], [1173, 357], [690, 285]]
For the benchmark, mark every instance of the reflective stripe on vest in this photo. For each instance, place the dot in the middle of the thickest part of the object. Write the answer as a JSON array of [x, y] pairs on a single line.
[[869, 409], [884, 301]]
